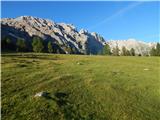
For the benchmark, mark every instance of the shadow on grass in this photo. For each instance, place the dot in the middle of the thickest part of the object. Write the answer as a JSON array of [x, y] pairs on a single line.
[[34, 56], [61, 98], [67, 108], [21, 65]]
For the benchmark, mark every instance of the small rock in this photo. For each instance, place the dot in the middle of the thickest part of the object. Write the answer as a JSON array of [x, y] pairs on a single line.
[[146, 69], [78, 63], [41, 94]]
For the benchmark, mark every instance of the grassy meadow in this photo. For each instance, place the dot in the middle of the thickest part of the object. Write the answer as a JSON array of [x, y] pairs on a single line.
[[79, 87]]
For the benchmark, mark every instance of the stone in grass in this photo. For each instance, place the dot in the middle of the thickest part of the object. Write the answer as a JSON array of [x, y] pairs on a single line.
[[146, 69], [41, 94], [79, 63]]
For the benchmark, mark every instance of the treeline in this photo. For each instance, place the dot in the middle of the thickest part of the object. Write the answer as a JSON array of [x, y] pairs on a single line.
[[155, 51], [37, 45], [116, 51]]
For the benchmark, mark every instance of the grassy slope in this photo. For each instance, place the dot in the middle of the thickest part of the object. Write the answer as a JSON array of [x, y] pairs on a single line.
[[80, 87]]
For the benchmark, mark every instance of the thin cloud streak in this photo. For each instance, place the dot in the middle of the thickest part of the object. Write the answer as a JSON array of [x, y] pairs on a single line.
[[120, 12]]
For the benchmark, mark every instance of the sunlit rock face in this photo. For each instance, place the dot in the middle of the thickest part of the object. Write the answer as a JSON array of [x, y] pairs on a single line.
[[65, 35], [140, 47]]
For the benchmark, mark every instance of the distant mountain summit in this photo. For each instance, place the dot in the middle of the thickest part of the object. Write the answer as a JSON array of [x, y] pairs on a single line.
[[64, 36], [140, 47]]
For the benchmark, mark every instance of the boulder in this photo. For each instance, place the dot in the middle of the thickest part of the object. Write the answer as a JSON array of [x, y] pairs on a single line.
[[41, 94]]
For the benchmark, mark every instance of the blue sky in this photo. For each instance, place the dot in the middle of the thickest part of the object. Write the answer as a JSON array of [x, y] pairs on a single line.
[[113, 20]]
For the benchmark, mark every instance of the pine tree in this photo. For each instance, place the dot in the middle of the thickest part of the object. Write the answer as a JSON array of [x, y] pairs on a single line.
[[73, 50], [21, 45], [132, 52], [158, 49], [153, 52], [124, 51], [50, 47], [128, 53], [115, 51], [8, 43], [5, 43], [106, 50], [37, 44]]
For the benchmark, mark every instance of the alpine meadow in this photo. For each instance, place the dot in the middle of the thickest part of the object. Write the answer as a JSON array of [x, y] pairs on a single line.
[[54, 69], [80, 87]]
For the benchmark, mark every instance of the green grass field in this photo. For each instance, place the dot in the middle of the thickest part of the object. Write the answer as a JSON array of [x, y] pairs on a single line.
[[80, 87]]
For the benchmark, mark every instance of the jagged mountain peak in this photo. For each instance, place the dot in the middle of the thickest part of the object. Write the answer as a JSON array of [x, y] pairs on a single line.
[[32, 18], [140, 47], [66, 35], [83, 31]]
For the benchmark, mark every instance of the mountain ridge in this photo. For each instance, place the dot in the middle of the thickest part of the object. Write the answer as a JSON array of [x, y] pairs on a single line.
[[61, 33], [140, 47], [66, 35]]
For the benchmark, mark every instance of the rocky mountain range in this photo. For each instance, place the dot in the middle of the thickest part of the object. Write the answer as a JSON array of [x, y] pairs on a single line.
[[65, 35], [140, 47]]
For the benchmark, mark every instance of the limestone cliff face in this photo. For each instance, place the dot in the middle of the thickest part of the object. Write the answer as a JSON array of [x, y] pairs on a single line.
[[140, 47], [65, 35], [62, 34]]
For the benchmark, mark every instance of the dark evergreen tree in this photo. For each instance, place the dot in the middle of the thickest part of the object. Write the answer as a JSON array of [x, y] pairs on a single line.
[[115, 51], [4, 44], [37, 44], [158, 49], [106, 50], [128, 53], [155, 51], [132, 52], [50, 47], [21, 45], [124, 51], [7, 44], [74, 51]]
